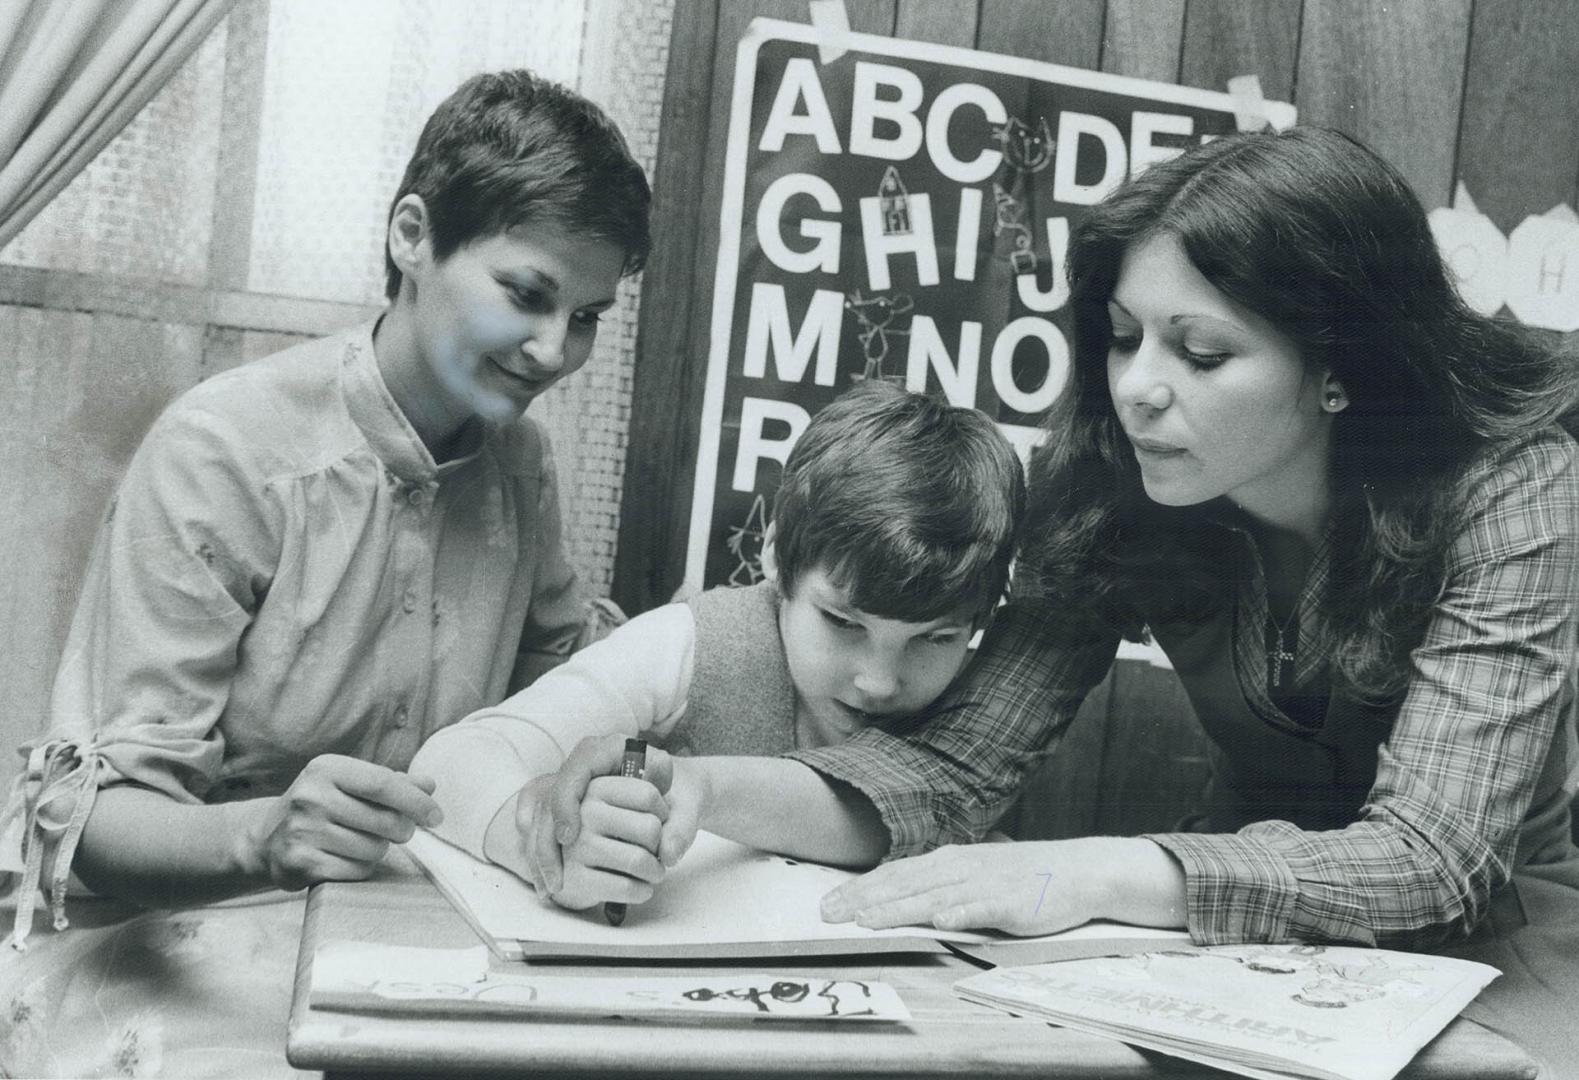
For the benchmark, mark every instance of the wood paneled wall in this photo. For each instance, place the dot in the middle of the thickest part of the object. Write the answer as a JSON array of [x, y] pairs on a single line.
[[1481, 91]]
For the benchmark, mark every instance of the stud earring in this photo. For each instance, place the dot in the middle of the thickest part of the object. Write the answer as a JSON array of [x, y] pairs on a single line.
[[1334, 399]]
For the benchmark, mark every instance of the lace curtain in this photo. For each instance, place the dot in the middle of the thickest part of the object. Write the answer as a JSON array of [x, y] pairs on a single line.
[[72, 74]]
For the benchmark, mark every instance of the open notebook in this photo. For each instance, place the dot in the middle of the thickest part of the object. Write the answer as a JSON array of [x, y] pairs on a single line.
[[724, 901]]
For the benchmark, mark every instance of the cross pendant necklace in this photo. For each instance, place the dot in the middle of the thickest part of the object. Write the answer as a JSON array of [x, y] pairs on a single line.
[[1280, 659]]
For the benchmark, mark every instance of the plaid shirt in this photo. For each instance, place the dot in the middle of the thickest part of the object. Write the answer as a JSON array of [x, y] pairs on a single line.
[[1490, 700]]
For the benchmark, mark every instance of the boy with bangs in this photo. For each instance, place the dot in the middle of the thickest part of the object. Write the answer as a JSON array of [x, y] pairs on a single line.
[[894, 527]]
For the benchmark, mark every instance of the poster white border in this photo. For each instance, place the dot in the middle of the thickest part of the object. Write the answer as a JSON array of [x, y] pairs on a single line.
[[761, 30]]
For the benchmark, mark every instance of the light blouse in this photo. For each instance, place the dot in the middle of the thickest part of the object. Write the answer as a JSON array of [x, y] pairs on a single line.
[[285, 572]]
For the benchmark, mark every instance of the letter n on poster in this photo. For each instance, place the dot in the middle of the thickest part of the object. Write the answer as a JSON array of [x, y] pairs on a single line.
[[901, 212]]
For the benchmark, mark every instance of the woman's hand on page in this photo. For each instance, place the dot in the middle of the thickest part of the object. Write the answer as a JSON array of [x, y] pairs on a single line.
[[1036, 887], [336, 821], [1023, 888]]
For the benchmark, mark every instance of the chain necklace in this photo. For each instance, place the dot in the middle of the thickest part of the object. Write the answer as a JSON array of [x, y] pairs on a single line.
[[1280, 656]]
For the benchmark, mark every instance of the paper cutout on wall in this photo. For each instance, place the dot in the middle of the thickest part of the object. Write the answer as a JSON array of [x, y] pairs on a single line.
[[1543, 270], [1475, 250], [1534, 272], [745, 543], [1250, 109], [1027, 148], [894, 203], [875, 326]]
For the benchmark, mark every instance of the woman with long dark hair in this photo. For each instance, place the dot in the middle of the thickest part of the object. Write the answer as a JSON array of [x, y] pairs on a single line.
[[1340, 502]]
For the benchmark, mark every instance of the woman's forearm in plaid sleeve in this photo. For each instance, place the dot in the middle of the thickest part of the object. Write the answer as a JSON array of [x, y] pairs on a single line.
[[1455, 777], [950, 778]]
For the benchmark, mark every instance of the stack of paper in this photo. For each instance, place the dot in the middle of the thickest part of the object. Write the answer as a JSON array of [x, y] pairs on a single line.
[[1270, 1011]]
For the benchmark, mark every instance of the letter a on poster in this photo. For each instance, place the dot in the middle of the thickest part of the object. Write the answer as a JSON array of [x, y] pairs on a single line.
[[898, 210]]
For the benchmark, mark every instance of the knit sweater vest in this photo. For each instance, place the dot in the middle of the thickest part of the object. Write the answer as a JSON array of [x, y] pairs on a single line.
[[741, 700]]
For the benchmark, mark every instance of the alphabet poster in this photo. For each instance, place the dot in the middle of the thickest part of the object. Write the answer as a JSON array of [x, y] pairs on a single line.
[[899, 210]]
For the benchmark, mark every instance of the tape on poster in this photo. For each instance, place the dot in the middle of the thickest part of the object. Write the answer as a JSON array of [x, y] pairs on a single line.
[[830, 17], [1250, 112]]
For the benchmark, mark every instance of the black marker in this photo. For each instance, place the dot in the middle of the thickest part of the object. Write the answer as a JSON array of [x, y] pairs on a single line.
[[633, 764]]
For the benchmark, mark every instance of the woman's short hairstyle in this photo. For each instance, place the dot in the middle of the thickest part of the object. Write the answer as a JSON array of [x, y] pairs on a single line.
[[909, 503], [1325, 239], [509, 148]]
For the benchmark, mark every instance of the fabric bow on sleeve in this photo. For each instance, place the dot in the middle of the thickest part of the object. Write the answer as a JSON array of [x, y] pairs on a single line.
[[53, 797]]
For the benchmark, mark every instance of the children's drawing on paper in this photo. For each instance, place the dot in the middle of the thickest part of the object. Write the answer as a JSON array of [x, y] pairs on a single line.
[[832, 993], [874, 317], [745, 544], [781, 992], [353, 976], [789, 997]]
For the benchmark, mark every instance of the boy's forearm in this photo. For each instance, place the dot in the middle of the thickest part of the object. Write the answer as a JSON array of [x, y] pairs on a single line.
[[782, 805], [504, 843], [478, 767], [144, 847]]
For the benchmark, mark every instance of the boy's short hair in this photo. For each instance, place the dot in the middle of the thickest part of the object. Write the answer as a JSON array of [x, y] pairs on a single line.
[[910, 504], [508, 148]]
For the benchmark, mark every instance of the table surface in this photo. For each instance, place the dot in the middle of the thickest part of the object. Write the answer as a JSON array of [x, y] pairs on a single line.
[[946, 1036]]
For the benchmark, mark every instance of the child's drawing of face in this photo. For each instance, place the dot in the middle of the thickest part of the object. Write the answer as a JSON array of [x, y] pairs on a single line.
[[791, 997], [850, 668], [1027, 148]]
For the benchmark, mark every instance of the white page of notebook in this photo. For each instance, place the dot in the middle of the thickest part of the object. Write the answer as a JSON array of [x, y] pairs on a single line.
[[720, 892]]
